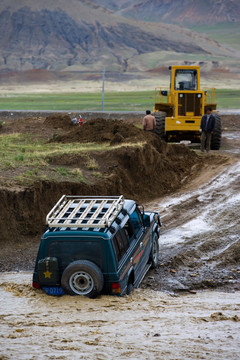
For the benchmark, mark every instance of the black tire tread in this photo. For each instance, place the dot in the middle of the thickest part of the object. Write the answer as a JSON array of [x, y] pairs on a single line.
[[160, 124], [217, 135]]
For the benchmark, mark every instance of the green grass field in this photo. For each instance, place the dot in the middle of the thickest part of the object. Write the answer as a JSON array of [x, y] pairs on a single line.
[[228, 99], [23, 159], [113, 101], [224, 33], [125, 101]]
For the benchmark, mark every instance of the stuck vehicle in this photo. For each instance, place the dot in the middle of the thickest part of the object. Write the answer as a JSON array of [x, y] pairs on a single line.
[[96, 245]]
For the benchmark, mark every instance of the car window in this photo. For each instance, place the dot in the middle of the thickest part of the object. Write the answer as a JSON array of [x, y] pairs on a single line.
[[69, 251], [121, 243], [136, 221], [128, 229]]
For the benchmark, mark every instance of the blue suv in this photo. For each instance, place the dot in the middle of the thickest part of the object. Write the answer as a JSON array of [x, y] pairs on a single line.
[[96, 245]]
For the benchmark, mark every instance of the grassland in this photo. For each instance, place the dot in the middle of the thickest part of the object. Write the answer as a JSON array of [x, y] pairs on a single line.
[[29, 159], [24, 160], [228, 99], [224, 33], [113, 101], [124, 101]]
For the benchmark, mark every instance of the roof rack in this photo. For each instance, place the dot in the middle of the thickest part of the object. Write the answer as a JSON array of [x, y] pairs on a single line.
[[85, 211]]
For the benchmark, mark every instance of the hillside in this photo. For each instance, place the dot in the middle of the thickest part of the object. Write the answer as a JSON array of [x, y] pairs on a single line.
[[185, 12], [80, 35]]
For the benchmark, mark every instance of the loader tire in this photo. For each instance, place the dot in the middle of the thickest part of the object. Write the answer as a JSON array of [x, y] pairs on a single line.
[[160, 125], [216, 137]]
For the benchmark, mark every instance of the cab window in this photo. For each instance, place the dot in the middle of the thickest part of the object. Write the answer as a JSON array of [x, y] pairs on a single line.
[[129, 230], [185, 79], [121, 243], [136, 221]]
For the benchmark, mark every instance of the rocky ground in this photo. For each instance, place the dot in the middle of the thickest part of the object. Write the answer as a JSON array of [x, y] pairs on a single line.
[[148, 171]]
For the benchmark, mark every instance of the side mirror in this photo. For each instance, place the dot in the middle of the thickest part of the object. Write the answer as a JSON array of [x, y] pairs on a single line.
[[164, 92]]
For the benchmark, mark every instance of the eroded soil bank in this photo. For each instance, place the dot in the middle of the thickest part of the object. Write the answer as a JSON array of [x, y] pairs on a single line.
[[141, 166]]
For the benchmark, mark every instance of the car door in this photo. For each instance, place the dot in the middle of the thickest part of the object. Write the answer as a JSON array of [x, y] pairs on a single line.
[[143, 243], [122, 248]]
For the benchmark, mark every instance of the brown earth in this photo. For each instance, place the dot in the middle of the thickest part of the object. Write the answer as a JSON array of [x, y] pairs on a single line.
[[141, 167]]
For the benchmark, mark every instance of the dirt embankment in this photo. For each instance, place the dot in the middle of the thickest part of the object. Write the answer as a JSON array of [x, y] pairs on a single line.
[[148, 169], [141, 167]]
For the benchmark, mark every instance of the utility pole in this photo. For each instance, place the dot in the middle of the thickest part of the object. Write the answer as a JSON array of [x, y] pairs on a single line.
[[103, 79]]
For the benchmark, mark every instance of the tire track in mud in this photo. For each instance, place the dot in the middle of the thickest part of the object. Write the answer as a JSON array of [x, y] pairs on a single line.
[[200, 242]]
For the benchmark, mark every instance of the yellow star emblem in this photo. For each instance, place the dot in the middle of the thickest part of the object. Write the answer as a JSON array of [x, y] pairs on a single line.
[[47, 274]]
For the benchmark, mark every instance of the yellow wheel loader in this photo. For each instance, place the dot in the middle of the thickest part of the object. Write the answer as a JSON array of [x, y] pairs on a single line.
[[178, 109]]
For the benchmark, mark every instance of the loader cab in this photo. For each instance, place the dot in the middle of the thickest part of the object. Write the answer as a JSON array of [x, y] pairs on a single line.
[[185, 78]]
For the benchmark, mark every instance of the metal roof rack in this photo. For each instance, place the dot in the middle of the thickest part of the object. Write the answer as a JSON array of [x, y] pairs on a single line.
[[85, 211]]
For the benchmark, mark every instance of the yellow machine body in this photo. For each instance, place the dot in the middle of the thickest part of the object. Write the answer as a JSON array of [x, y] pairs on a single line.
[[183, 102]]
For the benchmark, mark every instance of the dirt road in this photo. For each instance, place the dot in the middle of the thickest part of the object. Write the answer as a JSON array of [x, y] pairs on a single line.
[[200, 242]]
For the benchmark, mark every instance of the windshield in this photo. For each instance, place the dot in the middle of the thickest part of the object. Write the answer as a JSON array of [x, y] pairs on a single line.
[[185, 80]]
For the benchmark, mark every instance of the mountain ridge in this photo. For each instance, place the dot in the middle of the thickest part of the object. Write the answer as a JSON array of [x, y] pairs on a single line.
[[185, 12], [81, 35]]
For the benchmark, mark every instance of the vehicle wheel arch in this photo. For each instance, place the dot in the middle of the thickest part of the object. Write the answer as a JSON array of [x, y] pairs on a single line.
[[131, 276], [130, 284]]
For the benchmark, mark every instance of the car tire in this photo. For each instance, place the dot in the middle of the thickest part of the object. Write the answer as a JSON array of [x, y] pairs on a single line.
[[154, 255], [129, 288], [82, 277]]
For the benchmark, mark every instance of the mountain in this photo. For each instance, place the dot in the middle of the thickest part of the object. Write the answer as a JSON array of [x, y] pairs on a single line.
[[80, 35], [184, 12]]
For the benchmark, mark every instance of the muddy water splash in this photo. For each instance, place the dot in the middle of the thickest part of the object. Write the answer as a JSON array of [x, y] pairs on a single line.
[[145, 325]]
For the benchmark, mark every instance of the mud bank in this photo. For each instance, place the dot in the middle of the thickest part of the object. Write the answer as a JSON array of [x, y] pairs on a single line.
[[230, 118], [148, 169]]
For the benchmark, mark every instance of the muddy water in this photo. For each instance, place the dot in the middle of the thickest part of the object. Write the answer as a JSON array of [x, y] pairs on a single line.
[[144, 325]]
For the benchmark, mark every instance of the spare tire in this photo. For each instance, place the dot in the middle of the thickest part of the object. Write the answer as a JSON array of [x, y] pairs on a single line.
[[82, 277], [217, 135]]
